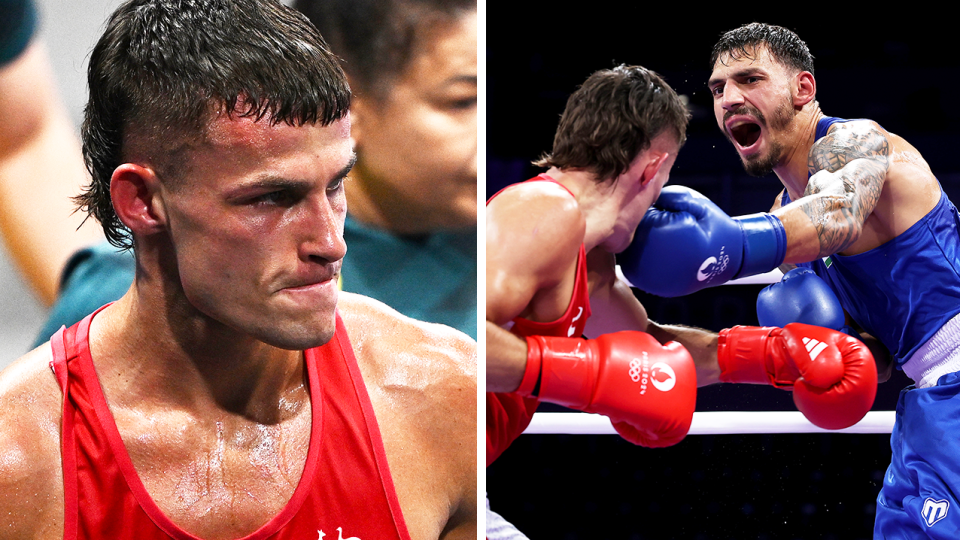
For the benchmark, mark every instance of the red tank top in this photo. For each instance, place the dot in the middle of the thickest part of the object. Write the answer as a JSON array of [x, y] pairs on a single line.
[[509, 414], [345, 490]]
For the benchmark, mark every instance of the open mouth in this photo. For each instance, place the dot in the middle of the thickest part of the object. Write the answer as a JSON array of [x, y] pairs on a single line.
[[746, 134]]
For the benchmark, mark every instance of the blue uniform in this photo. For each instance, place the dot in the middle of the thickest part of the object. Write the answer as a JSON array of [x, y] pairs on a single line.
[[906, 293]]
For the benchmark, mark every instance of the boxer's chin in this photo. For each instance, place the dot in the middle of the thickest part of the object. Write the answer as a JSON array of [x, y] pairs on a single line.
[[759, 165]]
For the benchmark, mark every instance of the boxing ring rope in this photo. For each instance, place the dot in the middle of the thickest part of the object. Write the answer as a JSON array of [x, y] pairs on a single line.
[[710, 423], [717, 422]]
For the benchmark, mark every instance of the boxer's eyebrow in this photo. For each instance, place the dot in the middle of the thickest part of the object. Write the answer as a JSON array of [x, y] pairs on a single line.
[[739, 74], [348, 167], [277, 183]]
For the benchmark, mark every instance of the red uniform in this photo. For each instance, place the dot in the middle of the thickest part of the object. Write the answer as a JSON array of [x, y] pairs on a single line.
[[345, 484], [509, 414]]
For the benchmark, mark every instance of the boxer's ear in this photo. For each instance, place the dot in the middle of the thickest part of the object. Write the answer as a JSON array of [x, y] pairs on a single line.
[[135, 192], [804, 89], [653, 167]]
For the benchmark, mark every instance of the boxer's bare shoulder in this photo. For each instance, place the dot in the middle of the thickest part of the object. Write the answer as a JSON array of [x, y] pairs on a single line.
[[536, 208], [533, 235], [401, 353], [422, 381], [31, 477]]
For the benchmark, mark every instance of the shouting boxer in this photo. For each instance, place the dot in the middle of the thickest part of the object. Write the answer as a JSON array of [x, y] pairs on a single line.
[[862, 212]]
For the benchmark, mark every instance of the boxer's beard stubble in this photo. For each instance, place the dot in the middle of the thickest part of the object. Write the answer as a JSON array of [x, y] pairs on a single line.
[[762, 164]]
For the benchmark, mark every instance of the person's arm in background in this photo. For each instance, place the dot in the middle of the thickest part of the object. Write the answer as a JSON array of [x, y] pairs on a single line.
[[41, 169]]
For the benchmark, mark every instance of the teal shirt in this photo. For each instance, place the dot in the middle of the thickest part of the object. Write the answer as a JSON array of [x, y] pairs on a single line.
[[431, 277], [18, 20], [91, 278]]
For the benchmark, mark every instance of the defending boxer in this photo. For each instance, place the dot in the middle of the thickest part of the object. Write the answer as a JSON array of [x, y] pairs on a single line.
[[232, 392], [551, 277], [864, 211]]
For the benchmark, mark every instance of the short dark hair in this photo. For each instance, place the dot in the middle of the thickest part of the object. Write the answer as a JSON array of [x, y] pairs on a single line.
[[163, 67], [377, 38], [611, 118], [782, 43]]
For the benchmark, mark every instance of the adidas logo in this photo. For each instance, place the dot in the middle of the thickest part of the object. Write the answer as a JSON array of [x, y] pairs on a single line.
[[814, 347]]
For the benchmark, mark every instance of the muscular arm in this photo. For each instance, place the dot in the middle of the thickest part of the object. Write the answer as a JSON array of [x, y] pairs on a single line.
[[31, 478], [849, 167], [830, 161], [701, 344], [506, 359], [533, 235], [422, 382]]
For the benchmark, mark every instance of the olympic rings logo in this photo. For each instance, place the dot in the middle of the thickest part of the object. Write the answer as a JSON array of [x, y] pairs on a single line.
[[635, 370]]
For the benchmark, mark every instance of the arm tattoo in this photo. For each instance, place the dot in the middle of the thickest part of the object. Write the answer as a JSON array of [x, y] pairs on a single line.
[[857, 155]]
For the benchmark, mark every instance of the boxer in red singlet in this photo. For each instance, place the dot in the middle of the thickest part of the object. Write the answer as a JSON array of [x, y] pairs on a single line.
[[551, 243], [233, 392]]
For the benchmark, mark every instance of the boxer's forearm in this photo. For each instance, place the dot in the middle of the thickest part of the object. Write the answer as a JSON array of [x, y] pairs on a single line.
[[701, 344], [830, 217], [506, 359], [849, 168], [41, 168]]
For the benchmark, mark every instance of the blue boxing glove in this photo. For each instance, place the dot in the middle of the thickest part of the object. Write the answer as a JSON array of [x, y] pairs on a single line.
[[801, 296], [686, 243]]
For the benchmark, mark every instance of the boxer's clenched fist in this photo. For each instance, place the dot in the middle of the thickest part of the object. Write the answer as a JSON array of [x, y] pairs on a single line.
[[647, 389], [686, 243], [833, 376]]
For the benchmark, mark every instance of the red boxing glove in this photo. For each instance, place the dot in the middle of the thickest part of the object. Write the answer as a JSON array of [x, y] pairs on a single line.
[[648, 390], [833, 376]]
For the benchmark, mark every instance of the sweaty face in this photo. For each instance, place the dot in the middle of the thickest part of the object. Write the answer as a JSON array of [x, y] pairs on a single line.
[[417, 146], [753, 107], [256, 224]]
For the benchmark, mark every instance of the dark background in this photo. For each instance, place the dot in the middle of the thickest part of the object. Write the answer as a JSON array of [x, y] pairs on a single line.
[[899, 68]]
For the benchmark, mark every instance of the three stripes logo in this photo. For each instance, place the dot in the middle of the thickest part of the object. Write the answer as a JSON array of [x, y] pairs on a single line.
[[814, 347]]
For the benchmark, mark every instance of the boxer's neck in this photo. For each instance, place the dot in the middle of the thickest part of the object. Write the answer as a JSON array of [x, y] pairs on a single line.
[[793, 169], [600, 203], [163, 351]]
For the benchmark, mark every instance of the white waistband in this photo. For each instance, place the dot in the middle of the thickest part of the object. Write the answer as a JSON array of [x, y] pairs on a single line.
[[937, 357]]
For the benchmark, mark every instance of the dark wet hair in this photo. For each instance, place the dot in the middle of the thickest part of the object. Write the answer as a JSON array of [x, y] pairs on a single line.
[[611, 118], [163, 67], [782, 43]]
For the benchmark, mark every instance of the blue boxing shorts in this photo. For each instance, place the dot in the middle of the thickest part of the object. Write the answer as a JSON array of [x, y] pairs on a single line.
[[919, 495]]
